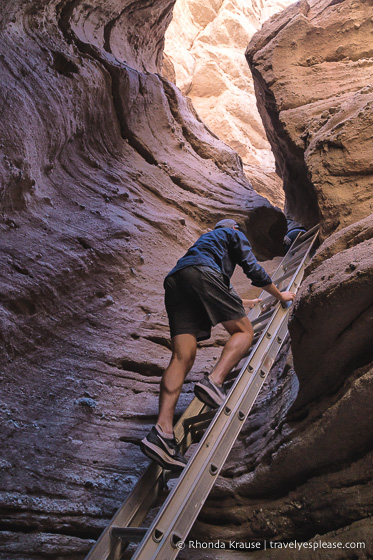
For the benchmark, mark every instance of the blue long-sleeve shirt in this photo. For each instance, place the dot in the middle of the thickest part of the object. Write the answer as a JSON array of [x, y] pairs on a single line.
[[223, 249]]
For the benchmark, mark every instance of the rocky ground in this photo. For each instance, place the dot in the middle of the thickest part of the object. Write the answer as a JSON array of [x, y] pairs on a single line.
[[107, 176]]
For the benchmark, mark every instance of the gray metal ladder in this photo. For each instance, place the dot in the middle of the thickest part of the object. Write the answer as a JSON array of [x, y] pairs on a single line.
[[221, 428]]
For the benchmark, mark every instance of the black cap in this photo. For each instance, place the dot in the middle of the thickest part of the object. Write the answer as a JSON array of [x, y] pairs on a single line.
[[227, 223]]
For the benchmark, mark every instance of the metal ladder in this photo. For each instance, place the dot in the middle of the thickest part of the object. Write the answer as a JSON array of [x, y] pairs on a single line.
[[221, 428]]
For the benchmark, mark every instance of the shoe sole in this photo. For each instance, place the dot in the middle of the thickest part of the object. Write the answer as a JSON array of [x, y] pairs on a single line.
[[207, 396], [156, 454]]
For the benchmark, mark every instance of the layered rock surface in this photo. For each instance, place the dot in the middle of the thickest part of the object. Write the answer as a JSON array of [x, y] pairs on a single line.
[[107, 177], [312, 67], [204, 55], [337, 294], [302, 466]]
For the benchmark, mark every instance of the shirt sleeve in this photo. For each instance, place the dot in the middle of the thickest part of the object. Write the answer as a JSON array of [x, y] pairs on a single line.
[[245, 258]]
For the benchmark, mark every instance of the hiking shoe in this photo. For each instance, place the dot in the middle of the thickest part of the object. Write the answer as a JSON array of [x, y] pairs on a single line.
[[165, 451], [209, 393]]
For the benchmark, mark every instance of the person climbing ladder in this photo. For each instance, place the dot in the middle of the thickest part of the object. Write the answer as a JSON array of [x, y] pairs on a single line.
[[198, 296]]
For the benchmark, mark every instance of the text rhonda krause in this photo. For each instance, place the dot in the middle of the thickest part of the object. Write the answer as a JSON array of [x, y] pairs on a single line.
[[252, 545], [223, 544]]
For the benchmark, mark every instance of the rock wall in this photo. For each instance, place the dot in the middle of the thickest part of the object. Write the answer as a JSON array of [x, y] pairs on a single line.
[[204, 56], [302, 466], [312, 67], [107, 175]]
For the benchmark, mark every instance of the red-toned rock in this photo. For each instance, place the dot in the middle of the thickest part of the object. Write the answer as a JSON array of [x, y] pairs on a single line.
[[107, 176], [332, 322], [312, 67]]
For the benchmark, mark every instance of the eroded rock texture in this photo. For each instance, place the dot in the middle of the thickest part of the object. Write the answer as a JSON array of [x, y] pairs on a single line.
[[338, 295], [107, 175], [312, 67], [302, 467], [204, 55]]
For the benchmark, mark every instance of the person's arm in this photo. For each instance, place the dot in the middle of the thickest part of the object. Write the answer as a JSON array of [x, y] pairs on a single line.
[[250, 303], [255, 271], [281, 296], [245, 258]]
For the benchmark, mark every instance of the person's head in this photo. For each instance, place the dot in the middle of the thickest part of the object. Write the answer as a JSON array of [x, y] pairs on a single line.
[[227, 223]]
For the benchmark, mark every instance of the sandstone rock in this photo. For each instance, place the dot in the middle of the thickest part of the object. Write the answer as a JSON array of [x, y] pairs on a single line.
[[349, 237], [58, 547], [338, 295], [107, 177], [204, 50], [312, 69]]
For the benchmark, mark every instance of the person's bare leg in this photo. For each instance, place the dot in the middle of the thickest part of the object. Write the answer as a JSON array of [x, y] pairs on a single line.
[[184, 348], [242, 335]]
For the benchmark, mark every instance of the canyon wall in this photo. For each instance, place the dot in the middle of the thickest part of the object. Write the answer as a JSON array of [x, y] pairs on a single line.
[[302, 466], [204, 55], [312, 68], [107, 176]]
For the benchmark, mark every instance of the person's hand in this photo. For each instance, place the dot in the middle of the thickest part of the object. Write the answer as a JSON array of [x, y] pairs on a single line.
[[250, 303], [287, 296]]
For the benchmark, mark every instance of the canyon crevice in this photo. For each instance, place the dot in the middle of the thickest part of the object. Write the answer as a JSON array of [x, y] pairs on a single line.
[[107, 175]]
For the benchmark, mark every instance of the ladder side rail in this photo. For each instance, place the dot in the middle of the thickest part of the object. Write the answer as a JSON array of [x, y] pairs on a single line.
[[295, 281], [227, 406], [198, 477], [287, 260], [143, 495]]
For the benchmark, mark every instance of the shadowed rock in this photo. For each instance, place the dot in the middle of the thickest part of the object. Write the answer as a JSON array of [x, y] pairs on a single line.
[[107, 176]]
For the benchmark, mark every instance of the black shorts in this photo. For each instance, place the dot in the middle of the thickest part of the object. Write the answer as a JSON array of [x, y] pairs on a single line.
[[197, 298]]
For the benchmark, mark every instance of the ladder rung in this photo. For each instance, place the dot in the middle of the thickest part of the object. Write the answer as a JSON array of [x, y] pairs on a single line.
[[193, 420], [294, 259], [285, 276], [128, 534], [268, 299], [259, 327], [262, 317], [199, 429], [308, 233], [297, 247]]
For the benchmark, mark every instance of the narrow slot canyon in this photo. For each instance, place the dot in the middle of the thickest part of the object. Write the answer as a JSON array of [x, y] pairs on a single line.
[[129, 129]]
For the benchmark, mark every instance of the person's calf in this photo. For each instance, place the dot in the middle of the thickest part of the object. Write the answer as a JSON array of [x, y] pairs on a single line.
[[234, 350]]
